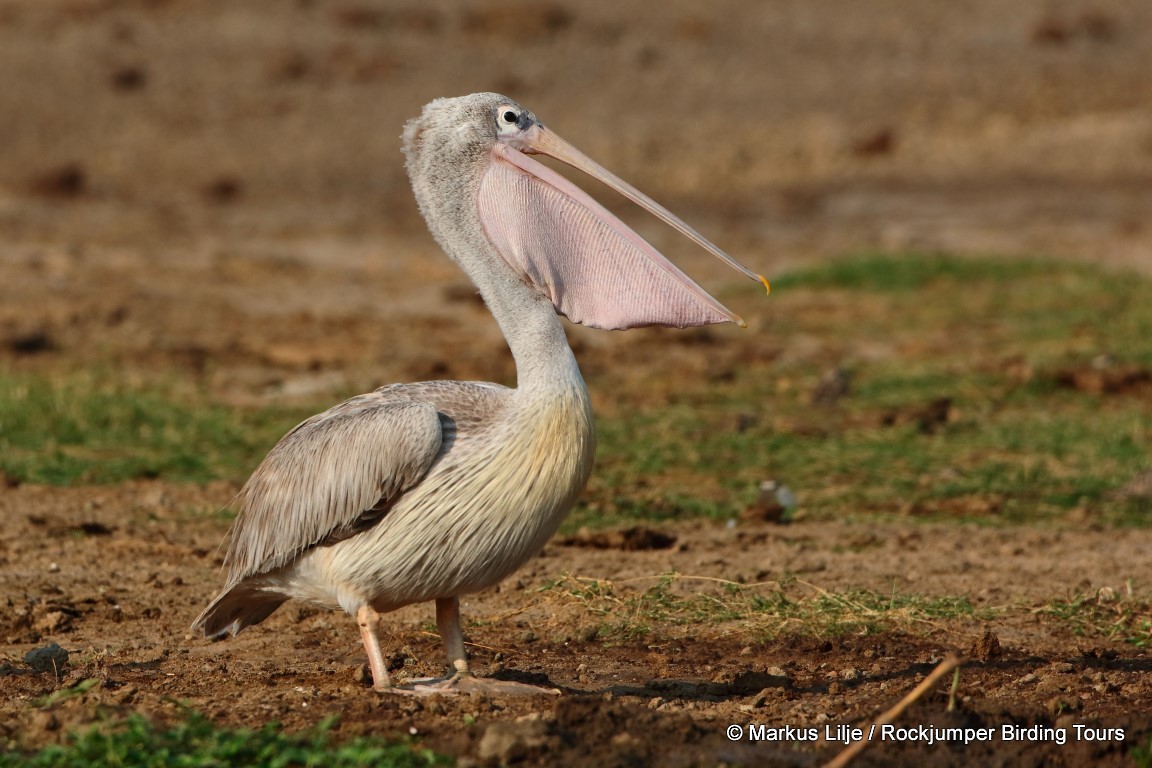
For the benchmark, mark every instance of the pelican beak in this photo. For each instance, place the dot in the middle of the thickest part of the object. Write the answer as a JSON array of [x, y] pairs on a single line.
[[538, 140]]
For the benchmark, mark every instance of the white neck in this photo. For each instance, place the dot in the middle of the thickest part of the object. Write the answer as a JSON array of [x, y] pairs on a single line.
[[544, 361], [446, 176]]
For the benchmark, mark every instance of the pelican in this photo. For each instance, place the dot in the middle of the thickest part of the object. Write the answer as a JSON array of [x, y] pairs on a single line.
[[432, 490]]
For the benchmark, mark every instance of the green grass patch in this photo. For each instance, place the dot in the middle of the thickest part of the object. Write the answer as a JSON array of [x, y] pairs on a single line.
[[1142, 754], [97, 428], [196, 742], [766, 610], [1105, 614], [970, 396]]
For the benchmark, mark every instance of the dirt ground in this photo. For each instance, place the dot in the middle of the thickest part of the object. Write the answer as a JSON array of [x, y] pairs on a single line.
[[214, 190]]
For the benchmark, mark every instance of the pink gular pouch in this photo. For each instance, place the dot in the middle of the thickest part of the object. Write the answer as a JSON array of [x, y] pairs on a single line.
[[596, 270]]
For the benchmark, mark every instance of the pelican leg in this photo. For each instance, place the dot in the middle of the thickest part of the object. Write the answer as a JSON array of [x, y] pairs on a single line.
[[369, 621], [448, 622], [462, 680]]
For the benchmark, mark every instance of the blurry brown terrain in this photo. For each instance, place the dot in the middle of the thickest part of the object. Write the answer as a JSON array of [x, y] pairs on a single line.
[[173, 173], [214, 189]]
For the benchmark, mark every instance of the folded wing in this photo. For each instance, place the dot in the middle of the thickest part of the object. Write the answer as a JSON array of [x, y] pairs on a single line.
[[331, 477]]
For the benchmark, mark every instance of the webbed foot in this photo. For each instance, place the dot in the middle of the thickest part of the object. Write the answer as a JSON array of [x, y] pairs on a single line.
[[465, 683]]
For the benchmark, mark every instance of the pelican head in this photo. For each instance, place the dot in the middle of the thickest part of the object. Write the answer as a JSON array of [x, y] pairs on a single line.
[[470, 162]]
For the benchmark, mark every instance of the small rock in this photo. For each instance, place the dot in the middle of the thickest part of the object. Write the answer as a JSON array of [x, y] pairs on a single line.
[[49, 658]]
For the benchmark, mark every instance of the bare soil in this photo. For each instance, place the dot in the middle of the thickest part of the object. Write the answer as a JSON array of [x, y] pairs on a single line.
[[213, 191]]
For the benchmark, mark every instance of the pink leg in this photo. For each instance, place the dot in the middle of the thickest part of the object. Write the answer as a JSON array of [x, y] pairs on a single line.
[[448, 622], [369, 621], [462, 681]]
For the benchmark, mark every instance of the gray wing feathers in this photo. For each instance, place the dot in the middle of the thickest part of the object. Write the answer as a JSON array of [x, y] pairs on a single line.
[[330, 477]]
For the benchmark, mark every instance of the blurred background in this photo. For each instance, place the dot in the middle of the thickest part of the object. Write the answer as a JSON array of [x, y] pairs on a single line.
[[940, 417], [221, 182]]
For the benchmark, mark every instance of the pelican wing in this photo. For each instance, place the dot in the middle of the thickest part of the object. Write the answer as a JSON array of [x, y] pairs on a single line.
[[331, 477]]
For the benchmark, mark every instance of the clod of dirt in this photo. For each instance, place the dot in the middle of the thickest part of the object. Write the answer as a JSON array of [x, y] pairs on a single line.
[[54, 621], [130, 78], [929, 418], [876, 144], [505, 743], [48, 658], [937, 414], [986, 648], [832, 386], [64, 182], [224, 190], [629, 539], [361, 675], [1105, 378], [95, 529], [749, 682], [764, 511], [31, 343], [1055, 29]]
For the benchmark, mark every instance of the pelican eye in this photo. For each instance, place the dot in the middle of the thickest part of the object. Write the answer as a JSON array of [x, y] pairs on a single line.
[[511, 117]]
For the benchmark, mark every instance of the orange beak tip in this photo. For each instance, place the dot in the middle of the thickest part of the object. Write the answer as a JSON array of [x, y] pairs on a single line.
[[767, 285]]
